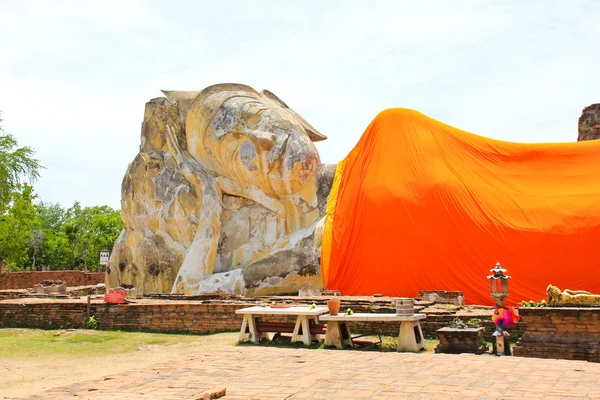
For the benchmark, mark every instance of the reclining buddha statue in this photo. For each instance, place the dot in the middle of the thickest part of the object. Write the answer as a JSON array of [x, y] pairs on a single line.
[[227, 193], [556, 298]]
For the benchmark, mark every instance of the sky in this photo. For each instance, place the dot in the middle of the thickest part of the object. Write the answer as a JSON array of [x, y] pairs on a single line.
[[75, 75]]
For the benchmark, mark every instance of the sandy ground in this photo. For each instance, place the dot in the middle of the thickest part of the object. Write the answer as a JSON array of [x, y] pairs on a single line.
[[19, 378]]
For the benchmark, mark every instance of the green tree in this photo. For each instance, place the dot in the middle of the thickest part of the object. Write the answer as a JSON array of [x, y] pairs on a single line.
[[52, 216], [46, 234], [105, 227], [17, 227], [36, 245], [55, 253], [16, 163], [90, 230]]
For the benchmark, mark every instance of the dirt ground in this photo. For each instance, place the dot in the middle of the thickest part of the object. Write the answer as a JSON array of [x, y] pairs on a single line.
[[21, 377]]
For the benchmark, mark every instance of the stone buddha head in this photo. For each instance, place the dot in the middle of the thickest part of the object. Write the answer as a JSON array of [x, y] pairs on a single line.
[[252, 138]]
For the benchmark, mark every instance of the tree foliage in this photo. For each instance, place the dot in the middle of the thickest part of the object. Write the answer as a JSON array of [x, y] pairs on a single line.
[[17, 227], [36, 235], [16, 163], [39, 235], [90, 230]]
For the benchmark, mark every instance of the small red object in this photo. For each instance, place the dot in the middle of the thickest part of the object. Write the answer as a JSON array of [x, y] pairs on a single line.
[[279, 306], [115, 296]]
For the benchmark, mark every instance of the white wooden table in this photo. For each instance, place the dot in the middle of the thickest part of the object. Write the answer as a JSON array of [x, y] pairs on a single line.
[[303, 315], [410, 335]]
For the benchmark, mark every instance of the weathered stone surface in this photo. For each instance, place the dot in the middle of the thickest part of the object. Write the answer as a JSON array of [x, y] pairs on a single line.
[[292, 269], [325, 175], [443, 296], [589, 123], [226, 178], [51, 287], [230, 282]]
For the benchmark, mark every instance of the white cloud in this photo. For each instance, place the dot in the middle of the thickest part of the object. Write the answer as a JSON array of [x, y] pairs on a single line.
[[74, 76]]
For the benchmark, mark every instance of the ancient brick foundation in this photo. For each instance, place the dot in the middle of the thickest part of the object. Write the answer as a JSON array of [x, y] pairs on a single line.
[[25, 280], [190, 316], [567, 333]]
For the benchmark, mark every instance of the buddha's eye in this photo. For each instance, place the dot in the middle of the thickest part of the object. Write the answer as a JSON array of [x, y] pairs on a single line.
[[252, 112]]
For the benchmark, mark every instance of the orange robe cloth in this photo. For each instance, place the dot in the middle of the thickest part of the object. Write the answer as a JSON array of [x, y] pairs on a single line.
[[421, 205]]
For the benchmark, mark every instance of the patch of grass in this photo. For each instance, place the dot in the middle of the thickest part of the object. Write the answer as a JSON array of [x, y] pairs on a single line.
[[431, 344], [33, 343], [390, 343], [90, 338]]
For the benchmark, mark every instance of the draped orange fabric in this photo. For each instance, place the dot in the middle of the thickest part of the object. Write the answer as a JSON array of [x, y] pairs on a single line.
[[420, 205]]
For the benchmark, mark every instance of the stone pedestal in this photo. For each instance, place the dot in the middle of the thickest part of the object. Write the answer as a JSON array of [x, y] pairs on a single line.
[[410, 337], [338, 335], [501, 346], [455, 341], [571, 333]]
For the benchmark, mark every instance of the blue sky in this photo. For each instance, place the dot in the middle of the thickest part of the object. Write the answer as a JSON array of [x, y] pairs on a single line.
[[74, 76]]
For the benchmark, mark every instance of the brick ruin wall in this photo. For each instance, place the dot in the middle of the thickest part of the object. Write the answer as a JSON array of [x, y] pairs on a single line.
[[25, 280], [196, 317], [567, 333]]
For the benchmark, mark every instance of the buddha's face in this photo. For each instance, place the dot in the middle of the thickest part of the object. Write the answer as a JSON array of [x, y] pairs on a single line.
[[253, 139], [553, 291]]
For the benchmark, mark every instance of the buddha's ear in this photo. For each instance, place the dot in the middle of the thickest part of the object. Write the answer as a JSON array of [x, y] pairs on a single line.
[[314, 134]]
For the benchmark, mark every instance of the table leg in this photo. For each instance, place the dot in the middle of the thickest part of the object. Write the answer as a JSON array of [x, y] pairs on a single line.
[[421, 341], [410, 336], [332, 335], [316, 337], [337, 334], [346, 335], [306, 336], [251, 322], [243, 335], [302, 322], [296, 333]]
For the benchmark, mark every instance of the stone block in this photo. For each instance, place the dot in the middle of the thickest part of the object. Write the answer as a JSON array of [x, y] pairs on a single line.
[[442, 296], [456, 341]]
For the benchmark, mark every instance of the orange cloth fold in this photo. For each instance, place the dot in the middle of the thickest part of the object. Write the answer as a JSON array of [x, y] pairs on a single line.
[[421, 205]]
